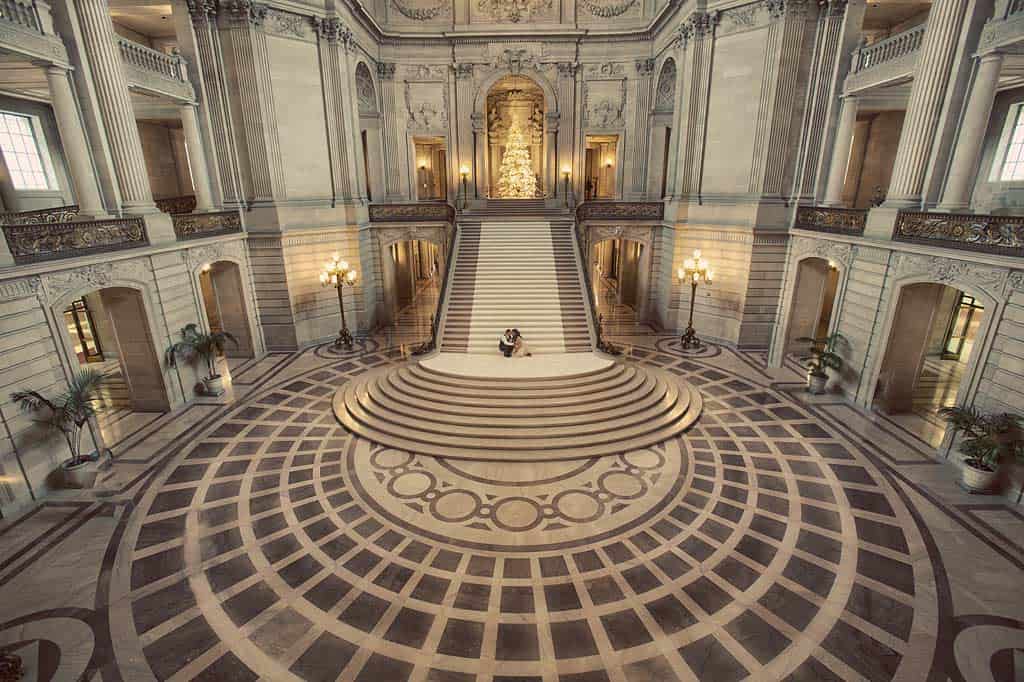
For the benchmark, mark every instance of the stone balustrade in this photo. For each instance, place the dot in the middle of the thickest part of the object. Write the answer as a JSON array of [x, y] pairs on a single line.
[[199, 225], [21, 13], [412, 212], [893, 47], [620, 210], [173, 205], [155, 71], [57, 214], [36, 242], [1001, 235], [849, 221]]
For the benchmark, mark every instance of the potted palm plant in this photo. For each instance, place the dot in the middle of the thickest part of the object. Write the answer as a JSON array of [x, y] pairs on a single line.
[[990, 440], [197, 344], [822, 356], [69, 413]]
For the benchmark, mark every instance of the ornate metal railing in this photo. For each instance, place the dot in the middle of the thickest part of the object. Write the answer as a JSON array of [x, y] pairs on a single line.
[[172, 205], [198, 225], [888, 49], [620, 210], [835, 220], [153, 61], [58, 214], [21, 12], [413, 212], [32, 243], [1002, 235]]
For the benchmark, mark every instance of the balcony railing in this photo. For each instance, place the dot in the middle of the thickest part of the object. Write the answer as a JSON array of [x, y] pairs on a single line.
[[154, 71], [58, 214], [620, 210], [198, 225], [36, 242], [888, 49], [172, 205], [22, 13], [426, 211], [849, 221], [1002, 235]]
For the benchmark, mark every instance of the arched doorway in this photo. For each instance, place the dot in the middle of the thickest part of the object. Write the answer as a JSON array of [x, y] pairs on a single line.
[[108, 331], [661, 131], [934, 332], [369, 133], [412, 281], [620, 275], [814, 296], [516, 143], [223, 296]]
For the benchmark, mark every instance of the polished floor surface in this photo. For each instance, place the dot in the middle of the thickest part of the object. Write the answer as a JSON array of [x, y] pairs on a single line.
[[779, 538]]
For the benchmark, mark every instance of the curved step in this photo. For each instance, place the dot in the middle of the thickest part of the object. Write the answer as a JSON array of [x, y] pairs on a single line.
[[612, 409]]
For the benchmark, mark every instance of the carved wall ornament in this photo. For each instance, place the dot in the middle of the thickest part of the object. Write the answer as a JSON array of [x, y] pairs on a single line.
[[607, 10], [637, 233], [333, 29], [742, 18], [645, 67], [429, 13], [837, 252], [425, 113], [202, 9], [386, 236], [427, 72], [19, 288], [514, 11], [665, 93], [242, 11], [288, 25], [515, 60], [417, 212], [386, 71], [56, 285], [211, 253], [366, 94], [620, 210], [463, 71], [196, 225], [567, 69], [1015, 282], [697, 26], [59, 214], [604, 69], [953, 272], [604, 103]]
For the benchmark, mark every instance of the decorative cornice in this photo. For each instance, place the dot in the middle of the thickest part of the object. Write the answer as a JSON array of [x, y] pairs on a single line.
[[698, 26]]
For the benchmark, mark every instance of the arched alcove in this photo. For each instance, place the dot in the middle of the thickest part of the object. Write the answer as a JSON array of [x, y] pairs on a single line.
[[515, 109]]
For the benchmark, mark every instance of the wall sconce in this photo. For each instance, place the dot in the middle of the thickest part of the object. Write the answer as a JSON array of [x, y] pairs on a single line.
[[832, 265], [608, 163]]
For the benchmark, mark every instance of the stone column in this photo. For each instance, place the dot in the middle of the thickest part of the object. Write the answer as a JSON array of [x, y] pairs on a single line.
[[967, 153], [566, 94], [635, 171], [551, 154], [697, 38], [841, 153], [104, 56], [196, 158], [72, 139], [393, 149], [927, 97], [478, 181], [333, 40], [463, 152]]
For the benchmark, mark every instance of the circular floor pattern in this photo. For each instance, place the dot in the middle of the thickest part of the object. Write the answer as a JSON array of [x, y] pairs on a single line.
[[759, 545]]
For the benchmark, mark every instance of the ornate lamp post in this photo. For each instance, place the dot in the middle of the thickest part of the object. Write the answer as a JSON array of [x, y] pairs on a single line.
[[695, 271], [464, 172], [566, 173], [337, 274]]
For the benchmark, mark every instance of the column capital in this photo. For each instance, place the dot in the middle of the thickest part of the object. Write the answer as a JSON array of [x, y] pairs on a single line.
[[240, 12], [386, 71], [567, 69], [463, 71], [645, 67]]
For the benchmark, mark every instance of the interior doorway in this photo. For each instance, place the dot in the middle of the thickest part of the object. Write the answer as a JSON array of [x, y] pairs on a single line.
[[620, 278], [814, 297], [600, 166], [934, 332], [431, 168], [108, 332], [413, 272], [220, 285]]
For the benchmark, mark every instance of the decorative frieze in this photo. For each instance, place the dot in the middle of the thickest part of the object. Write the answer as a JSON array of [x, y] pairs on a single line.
[[990, 234], [172, 205], [428, 13], [288, 25], [52, 241], [386, 71], [19, 288], [515, 60], [426, 72], [951, 271], [604, 103], [427, 108], [637, 233], [386, 236], [241, 12], [59, 214], [645, 67], [416, 212], [211, 253], [849, 221], [55, 285], [514, 11], [620, 210], [836, 252], [608, 10], [198, 225]]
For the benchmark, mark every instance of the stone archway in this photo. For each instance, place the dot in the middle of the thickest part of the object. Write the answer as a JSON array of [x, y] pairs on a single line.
[[662, 138], [815, 287], [515, 122]]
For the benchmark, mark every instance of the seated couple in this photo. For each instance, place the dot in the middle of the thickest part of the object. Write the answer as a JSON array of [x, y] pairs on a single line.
[[511, 343]]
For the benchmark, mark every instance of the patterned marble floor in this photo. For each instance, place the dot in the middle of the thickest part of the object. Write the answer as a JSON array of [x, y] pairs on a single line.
[[780, 538]]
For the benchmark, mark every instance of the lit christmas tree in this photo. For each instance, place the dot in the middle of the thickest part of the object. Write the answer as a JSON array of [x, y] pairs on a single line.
[[517, 180]]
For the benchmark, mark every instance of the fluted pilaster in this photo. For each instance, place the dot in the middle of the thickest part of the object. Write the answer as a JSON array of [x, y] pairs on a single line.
[[115, 106], [697, 35], [927, 96], [394, 186], [636, 164], [337, 86]]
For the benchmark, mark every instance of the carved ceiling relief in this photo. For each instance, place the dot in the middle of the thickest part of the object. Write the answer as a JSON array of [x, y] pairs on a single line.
[[422, 11]]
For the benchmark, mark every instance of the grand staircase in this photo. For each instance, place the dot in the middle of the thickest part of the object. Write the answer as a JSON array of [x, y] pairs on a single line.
[[516, 273]]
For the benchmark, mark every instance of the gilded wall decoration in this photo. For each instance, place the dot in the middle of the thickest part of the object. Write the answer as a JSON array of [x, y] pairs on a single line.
[[59, 214], [428, 13], [620, 210], [514, 11], [196, 225], [608, 10], [835, 220], [404, 213]]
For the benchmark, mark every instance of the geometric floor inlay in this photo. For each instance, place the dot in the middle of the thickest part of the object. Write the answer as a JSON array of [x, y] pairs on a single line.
[[758, 544]]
